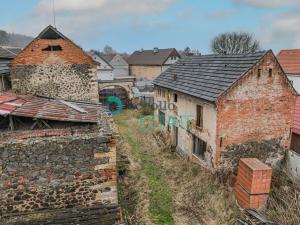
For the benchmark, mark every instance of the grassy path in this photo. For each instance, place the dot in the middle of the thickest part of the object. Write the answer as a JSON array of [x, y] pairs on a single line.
[[159, 195], [173, 190]]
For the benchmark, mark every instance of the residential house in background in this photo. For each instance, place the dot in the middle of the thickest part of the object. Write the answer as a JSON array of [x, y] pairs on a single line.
[[104, 69], [290, 62], [54, 66], [6, 55], [218, 101], [119, 63], [148, 64]]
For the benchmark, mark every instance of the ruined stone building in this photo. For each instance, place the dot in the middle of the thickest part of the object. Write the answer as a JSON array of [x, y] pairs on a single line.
[[148, 64], [53, 66], [57, 162], [211, 103]]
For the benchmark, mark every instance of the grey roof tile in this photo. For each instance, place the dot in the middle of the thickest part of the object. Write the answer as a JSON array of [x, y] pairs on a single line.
[[207, 76]]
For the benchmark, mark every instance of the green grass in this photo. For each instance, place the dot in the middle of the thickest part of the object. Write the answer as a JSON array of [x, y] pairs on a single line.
[[160, 197]]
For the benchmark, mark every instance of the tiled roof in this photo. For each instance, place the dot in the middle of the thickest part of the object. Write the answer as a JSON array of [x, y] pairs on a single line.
[[207, 76], [150, 57], [49, 109], [296, 123], [290, 60]]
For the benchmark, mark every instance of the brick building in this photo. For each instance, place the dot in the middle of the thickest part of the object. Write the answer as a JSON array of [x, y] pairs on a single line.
[[53, 66], [148, 64], [218, 101]]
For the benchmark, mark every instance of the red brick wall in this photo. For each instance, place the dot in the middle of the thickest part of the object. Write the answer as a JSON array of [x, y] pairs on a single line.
[[33, 53], [256, 108]]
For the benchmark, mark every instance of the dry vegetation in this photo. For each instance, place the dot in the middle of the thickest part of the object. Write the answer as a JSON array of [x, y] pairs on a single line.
[[284, 202], [160, 187], [196, 196]]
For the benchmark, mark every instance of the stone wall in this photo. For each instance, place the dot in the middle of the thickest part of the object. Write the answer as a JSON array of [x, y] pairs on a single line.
[[57, 172], [68, 73], [257, 108], [69, 82]]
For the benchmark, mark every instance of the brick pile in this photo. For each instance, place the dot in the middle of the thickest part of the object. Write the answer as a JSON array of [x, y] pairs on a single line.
[[253, 183]]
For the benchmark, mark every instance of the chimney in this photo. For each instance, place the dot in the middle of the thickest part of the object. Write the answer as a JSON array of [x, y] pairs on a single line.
[[155, 50]]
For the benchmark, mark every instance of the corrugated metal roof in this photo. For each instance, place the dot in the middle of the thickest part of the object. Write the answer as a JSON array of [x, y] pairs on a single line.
[[9, 52], [151, 57], [207, 76], [6, 54], [49, 109], [296, 123], [290, 60], [4, 69]]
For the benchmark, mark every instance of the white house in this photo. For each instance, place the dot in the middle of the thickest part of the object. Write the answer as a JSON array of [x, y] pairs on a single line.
[[105, 70]]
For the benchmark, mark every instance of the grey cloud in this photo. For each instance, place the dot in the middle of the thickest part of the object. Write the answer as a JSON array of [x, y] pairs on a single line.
[[282, 31], [87, 15]]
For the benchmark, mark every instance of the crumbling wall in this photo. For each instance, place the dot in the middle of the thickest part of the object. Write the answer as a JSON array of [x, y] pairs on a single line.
[[259, 107], [57, 172], [270, 152], [69, 82]]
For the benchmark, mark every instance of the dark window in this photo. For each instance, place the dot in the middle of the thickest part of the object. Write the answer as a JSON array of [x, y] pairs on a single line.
[[53, 48], [175, 97], [270, 72], [162, 118], [199, 147], [199, 116], [258, 73]]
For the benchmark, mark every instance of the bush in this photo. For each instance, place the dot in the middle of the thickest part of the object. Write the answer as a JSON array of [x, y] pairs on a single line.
[[146, 109]]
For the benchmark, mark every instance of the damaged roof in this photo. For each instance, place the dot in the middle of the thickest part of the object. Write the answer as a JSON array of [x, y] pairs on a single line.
[[49, 109], [208, 76], [152, 57]]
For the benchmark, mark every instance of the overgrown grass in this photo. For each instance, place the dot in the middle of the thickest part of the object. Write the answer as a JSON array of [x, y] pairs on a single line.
[[160, 197]]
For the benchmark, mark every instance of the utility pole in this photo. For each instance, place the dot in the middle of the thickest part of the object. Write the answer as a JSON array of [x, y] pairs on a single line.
[[53, 10]]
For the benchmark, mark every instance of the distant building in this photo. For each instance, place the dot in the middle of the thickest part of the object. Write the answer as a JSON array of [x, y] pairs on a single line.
[[53, 66], [104, 69], [290, 62], [120, 65], [6, 55], [213, 104], [148, 64]]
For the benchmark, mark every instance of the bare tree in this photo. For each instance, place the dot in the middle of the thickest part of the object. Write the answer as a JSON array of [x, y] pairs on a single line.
[[234, 43], [107, 50]]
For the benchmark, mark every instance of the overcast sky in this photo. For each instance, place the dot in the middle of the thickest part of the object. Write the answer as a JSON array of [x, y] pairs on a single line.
[[128, 25]]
